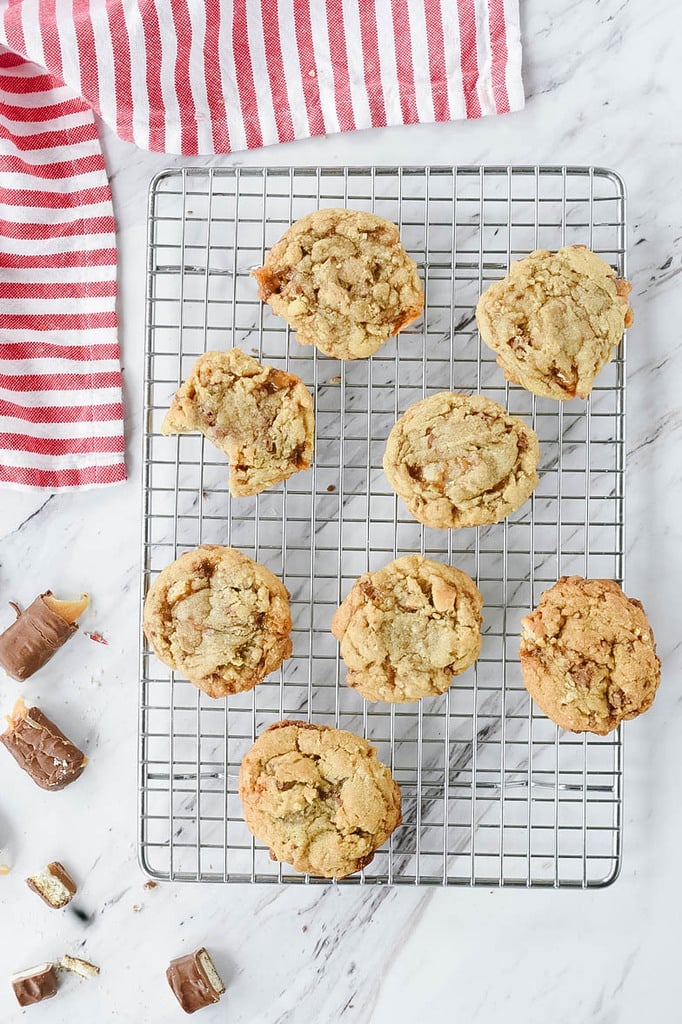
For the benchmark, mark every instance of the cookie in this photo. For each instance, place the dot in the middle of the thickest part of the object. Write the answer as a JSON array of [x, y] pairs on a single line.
[[260, 417], [588, 655], [555, 320], [318, 797], [460, 460], [343, 281], [219, 618], [407, 629]]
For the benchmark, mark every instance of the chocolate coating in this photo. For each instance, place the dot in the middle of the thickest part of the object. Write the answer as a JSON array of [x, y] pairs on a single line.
[[33, 638], [42, 750], [35, 985], [189, 983]]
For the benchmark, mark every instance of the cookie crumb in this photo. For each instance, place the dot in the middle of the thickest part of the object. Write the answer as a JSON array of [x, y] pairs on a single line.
[[149, 884], [331, 488], [5, 869], [137, 907]]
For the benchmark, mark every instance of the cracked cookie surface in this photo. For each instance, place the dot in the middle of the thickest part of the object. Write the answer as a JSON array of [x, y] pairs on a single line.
[[555, 320], [343, 281], [260, 417], [588, 655], [460, 460], [408, 628], [318, 797], [219, 618]]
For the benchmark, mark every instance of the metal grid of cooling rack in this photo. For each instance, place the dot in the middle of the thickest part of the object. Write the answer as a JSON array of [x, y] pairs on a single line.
[[493, 792]]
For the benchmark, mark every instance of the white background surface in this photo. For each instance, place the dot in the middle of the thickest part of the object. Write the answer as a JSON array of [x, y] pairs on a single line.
[[602, 82]]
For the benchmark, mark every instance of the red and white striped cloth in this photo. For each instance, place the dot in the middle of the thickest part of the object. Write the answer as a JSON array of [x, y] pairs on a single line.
[[185, 76]]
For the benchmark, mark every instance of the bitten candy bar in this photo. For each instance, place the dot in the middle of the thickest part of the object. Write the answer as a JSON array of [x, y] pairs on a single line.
[[35, 984], [195, 981], [39, 631], [54, 885], [41, 748]]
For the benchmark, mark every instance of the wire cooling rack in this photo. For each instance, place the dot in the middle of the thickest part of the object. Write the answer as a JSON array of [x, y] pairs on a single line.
[[493, 792]]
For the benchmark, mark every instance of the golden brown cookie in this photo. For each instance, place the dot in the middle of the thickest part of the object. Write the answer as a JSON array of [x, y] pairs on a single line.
[[588, 655], [343, 281], [318, 797], [260, 417], [407, 629], [461, 460], [555, 320], [219, 618]]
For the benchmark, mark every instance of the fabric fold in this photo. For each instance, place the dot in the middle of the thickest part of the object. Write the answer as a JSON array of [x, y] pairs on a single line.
[[61, 412]]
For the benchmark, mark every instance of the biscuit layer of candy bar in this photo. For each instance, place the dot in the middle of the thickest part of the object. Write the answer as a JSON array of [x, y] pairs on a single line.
[[77, 966]]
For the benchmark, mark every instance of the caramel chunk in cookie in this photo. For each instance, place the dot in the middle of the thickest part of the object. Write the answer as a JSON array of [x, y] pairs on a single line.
[[588, 655], [260, 417], [219, 618], [460, 460], [407, 629], [318, 797], [343, 281], [555, 320]]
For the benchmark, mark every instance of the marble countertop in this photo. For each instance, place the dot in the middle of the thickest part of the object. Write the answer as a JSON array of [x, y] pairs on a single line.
[[601, 89]]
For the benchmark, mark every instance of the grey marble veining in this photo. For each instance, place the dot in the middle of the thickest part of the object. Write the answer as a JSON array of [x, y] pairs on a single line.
[[602, 86]]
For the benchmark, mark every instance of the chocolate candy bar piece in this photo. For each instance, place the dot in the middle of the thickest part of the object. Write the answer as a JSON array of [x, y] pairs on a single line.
[[195, 981], [42, 749], [54, 885], [35, 984], [38, 632], [77, 966]]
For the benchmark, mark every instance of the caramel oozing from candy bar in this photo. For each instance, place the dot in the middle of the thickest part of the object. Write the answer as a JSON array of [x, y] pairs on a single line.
[[70, 611]]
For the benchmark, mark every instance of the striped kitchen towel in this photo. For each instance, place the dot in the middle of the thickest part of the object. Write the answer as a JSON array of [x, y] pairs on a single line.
[[185, 76]]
